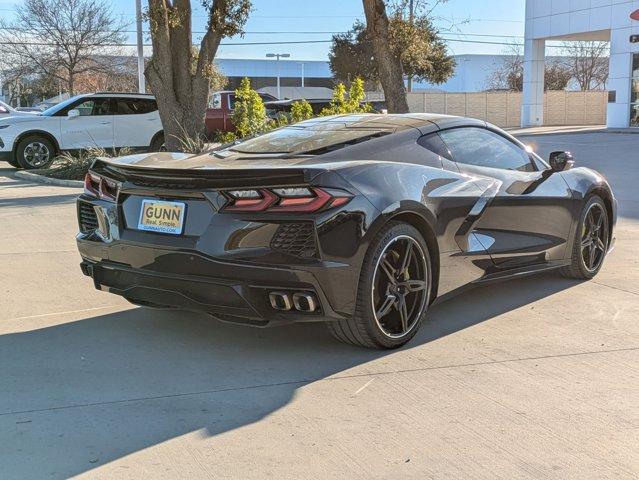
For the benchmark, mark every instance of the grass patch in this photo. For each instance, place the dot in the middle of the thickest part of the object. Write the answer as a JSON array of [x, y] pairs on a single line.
[[66, 168], [75, 167]]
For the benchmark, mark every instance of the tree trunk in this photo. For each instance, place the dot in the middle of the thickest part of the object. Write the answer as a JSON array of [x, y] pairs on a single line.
[[176, 74], [389, 66], [182, 107]]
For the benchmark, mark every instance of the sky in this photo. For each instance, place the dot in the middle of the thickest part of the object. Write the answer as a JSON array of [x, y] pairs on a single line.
[[467, 21]]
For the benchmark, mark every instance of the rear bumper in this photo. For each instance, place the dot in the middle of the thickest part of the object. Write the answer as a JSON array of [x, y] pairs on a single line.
[[231, 292]]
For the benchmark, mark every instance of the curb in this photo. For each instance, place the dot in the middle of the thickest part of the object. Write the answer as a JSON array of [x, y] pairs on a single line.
[[34, 177]]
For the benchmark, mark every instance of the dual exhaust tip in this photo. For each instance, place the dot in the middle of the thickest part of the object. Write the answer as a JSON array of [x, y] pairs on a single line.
[[304, 302]]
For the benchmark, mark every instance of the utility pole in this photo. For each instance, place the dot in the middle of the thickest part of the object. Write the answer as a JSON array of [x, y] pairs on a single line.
[[411, 20], [277, 57], [138, 14]]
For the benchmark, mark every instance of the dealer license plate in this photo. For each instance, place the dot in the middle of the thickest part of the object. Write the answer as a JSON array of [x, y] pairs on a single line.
[[163, 217]]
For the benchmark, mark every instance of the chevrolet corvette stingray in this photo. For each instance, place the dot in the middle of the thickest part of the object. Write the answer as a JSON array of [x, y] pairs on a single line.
[[359, 221]]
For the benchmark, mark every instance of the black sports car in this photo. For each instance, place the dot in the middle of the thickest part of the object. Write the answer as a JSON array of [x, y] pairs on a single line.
[[361, 221]]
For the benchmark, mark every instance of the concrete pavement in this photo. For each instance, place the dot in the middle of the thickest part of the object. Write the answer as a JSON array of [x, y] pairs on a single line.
[[535, 378]]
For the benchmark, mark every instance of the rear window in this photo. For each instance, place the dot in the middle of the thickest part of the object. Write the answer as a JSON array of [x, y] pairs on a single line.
[[306, 140]]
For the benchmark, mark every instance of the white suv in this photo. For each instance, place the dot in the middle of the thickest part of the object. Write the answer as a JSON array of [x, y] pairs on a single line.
[[107, 120]]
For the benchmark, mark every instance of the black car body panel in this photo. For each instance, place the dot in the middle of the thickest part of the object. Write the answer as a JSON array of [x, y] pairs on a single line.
[[480, 223]]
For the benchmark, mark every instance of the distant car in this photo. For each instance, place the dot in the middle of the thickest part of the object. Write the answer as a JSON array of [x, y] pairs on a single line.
[[220, 110], [8, 111], [106, 120], [276, 107]]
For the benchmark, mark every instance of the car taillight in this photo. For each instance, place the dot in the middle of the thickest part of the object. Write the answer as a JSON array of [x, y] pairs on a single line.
[[100, 187], [297, 199]]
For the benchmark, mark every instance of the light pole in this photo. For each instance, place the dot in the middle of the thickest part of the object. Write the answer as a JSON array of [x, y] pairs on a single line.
[[277, 57], [302, 74], [138, 14]]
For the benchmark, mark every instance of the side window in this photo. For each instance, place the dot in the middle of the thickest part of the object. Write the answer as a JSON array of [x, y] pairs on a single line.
[[231, 101], [483, 148], [148, 105], [85, 108], [434, 143], [135, 106], [92, 107], [215, 101]]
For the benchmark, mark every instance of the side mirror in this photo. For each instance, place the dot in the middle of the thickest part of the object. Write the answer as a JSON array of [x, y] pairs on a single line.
[[561, 161], [73, 113]]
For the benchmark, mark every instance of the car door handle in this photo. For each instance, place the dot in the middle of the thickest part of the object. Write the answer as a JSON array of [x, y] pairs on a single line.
[[105, 123]]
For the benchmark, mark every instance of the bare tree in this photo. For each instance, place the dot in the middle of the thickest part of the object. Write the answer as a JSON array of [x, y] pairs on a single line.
[[388, 64], [588, 63], [180, 75], [25, 88], [509, 75], [123, 77], [61, 39]]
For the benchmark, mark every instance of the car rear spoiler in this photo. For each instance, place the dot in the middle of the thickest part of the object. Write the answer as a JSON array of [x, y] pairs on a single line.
[[190, 179]]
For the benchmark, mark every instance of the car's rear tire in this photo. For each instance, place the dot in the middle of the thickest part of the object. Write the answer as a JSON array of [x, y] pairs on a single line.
[[35, 151], [592, 238], [158, 143], [393, 292]]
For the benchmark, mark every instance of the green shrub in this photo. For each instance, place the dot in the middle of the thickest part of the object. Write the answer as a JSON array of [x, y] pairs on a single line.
[[300, 111], [356, 98], [353, 104], [249, 114], [280, 120], [224, 137], [338, 102]]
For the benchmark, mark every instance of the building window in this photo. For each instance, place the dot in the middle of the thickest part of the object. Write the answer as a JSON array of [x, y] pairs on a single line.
[[634, 94]]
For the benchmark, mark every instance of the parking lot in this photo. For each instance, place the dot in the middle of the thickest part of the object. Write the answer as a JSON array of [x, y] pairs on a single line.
[[532, 379]]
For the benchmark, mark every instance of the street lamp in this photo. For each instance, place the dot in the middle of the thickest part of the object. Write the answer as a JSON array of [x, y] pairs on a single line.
[[277, 57]]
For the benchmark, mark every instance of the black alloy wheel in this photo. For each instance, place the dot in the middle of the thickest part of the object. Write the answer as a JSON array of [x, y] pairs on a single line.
[[399, 286], [393, 292], [594, 237], [591, 243]]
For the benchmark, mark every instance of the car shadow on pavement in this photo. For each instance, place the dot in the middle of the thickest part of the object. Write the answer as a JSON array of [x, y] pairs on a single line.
[[81, 394]]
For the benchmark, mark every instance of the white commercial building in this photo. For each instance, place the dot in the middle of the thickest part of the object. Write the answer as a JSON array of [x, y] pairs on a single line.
[[616, 21]]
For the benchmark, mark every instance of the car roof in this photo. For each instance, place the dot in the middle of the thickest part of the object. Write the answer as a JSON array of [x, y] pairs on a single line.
[[118, 94], [233, 91], [293, 100]]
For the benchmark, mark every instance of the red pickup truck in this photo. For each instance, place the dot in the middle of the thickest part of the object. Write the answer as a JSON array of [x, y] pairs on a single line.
[[220, 110]]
